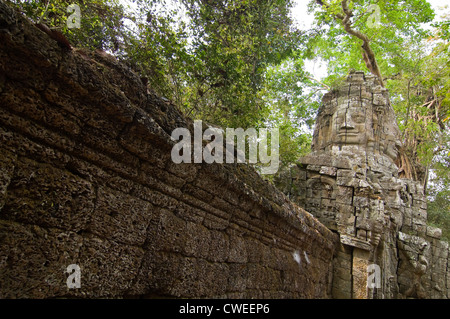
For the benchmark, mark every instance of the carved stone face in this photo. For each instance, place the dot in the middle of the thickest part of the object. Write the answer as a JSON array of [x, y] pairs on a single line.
[[359, 121], [351, 125]]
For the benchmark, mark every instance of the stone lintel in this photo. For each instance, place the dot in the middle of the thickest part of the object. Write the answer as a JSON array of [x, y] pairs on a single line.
[[355, 242]]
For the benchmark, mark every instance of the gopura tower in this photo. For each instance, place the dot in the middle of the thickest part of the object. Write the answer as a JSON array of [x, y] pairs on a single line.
[[351, 183]]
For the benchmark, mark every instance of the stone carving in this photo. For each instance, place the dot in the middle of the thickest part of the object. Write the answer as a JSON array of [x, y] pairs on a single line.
[[356, 114], [351, 165], [416, 251], [351, 183], [85, 178]]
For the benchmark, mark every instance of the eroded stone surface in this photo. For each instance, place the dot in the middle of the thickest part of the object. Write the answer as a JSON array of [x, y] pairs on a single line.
[[86, 178], [351, 184]]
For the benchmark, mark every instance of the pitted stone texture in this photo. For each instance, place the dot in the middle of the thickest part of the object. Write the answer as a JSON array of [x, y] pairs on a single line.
[[351, 184], [86, 178]]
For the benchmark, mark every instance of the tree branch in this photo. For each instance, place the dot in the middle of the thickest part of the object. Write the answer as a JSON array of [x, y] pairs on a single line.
[[313, 79], [368, 54]]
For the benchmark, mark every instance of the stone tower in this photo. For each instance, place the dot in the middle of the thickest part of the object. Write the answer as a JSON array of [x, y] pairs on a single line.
[[351, 184]]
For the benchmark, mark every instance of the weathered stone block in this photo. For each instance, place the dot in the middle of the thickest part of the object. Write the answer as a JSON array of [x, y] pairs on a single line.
[[219, 246], [101, 260], [326, 170], [120, 217], [48, 196], [33, 260], [434, 232], [197, 240], [345, 177], [7, 160]]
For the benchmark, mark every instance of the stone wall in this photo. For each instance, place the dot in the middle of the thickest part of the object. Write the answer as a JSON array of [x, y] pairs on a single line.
[[86, 178], [351, 183]]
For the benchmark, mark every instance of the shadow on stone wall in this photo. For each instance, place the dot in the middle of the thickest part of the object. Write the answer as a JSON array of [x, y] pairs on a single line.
[[86, 179]]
